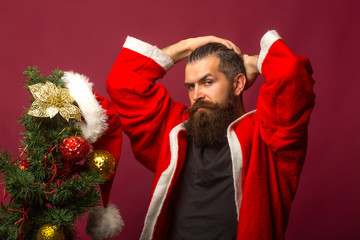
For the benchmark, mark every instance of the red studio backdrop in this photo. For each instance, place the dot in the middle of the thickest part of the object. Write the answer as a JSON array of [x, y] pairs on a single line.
[[87, 36]]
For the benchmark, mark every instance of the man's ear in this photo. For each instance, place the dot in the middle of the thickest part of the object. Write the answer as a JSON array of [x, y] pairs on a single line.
[[239, 83]]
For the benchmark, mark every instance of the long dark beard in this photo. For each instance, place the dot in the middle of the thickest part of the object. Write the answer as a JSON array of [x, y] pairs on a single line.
[[208, 127]]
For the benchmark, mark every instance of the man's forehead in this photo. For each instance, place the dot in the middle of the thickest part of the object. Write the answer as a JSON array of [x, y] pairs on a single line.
[[211, 59], [201, 67]]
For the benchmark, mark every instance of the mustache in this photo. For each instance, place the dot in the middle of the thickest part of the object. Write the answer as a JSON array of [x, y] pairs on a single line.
[[201, 104]]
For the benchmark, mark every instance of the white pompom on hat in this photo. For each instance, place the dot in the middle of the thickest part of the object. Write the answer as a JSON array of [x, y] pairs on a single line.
[[104, 223]]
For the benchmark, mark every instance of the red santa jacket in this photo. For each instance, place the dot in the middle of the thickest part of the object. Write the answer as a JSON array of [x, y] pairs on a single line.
[[267, 145]]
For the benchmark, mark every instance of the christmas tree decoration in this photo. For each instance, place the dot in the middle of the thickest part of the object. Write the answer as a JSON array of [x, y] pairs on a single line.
[[51, 100], [37, 188], [73, 149], [50, 232], [102, 161], [23, 165]]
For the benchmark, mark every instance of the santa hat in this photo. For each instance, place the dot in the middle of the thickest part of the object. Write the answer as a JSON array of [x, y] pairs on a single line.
[[102, 128]]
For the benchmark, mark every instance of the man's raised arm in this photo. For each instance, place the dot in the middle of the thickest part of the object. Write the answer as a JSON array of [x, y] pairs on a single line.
[[184, 48]]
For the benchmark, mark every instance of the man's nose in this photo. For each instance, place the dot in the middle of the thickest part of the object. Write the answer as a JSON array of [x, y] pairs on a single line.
[[198, 93]]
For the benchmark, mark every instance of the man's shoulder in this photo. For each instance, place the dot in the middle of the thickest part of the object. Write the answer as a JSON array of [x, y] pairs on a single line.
[[246, 121]]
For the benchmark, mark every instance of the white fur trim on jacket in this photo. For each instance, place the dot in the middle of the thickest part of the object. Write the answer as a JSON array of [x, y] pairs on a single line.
[[237, 160], [80, 88], [162, 186]]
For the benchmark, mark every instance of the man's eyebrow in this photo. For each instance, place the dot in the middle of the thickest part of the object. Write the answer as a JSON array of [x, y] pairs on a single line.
[[200, 80]]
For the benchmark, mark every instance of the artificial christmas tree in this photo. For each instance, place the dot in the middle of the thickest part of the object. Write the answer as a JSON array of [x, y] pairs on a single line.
[[50, 187]]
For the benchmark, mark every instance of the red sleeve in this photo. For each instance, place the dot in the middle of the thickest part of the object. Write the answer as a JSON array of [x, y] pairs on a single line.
[[286, 99], [144, 106]]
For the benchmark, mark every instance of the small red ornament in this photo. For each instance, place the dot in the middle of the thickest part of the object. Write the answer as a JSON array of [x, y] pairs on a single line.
[[23, 165], [74, 149]]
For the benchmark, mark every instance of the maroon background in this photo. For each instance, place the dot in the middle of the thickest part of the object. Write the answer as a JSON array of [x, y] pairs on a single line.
[[86, 36]]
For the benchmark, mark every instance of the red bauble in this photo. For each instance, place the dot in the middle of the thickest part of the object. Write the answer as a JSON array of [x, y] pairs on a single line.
[[74, 149], [23, 165]]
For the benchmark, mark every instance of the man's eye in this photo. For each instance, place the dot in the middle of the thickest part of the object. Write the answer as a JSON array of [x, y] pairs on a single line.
[[208, 82], [190, 87]]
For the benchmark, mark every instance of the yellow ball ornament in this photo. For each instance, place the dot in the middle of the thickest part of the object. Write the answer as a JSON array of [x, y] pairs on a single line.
[[102, 161], [50, 232]]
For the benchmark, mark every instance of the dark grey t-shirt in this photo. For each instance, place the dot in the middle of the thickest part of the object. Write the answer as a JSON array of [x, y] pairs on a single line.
[[204, 200]]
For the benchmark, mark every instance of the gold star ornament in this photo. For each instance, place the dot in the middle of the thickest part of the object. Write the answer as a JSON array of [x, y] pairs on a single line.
[[51, 100]]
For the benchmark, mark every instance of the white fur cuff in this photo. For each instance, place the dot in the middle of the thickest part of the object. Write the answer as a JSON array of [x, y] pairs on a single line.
[[266, 42], [150, 51]]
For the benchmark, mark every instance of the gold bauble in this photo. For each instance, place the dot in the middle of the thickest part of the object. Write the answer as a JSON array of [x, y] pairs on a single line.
[[102, 161], [50, 232]]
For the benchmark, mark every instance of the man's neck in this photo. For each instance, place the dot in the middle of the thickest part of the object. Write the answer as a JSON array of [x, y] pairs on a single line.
[[241, 109]]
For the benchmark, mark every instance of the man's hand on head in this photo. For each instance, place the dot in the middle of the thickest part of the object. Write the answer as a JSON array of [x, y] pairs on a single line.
[[184, 48], [200, 41], [252, 72]]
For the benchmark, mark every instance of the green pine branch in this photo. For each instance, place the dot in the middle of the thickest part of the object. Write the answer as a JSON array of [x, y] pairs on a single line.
[[49, 192]]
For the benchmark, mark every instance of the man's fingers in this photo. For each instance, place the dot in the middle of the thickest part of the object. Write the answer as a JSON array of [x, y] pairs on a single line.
[[235, 48], [197, 42], [230, 45]]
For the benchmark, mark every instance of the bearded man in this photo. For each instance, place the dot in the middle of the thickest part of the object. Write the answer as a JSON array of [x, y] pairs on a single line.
[[212, 112], [220, 173]]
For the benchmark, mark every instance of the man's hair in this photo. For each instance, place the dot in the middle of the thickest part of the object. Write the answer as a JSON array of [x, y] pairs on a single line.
[[231, 63]]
